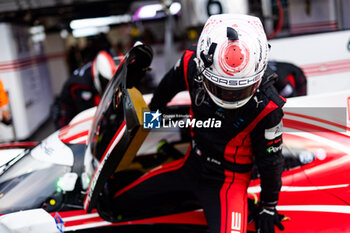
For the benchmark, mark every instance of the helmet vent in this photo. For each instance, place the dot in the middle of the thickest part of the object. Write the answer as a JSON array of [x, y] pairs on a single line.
[[231, 34]]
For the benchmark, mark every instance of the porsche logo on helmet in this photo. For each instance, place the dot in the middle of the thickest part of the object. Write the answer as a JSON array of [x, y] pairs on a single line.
[[231, 82]]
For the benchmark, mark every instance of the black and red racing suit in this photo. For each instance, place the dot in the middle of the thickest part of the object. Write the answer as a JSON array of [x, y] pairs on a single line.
[[77, 95], [217, 168]]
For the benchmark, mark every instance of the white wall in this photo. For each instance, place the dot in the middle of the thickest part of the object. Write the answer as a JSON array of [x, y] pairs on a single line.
[[55, 52], [324, 57], [24, 72], [319, 15]]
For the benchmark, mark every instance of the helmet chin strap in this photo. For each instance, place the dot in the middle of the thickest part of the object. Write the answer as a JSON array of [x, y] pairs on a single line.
[[200, 95]]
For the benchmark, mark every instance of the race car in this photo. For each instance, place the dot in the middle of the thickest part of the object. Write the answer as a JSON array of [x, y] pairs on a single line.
[[56, 185]]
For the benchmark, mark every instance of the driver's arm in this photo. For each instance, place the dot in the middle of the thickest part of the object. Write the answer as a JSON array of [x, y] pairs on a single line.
[[172, 83], [267, 147]]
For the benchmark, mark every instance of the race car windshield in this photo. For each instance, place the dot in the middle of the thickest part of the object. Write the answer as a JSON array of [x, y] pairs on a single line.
[[113, 127], [28, 182], [108, 115]]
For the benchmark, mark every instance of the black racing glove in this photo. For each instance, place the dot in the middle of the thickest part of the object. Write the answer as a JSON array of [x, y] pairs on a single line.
[[266, 219]]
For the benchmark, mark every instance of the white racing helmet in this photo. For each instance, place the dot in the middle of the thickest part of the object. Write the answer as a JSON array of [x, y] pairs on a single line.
[[232, 54], [103, 69]]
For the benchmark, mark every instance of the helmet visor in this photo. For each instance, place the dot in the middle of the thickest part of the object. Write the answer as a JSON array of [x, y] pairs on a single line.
[[230, 95]]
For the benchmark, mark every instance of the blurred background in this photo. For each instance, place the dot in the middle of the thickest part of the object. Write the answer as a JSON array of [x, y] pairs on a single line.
[[43, 41]]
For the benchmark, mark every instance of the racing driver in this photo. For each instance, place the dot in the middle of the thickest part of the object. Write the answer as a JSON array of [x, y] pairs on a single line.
[[227, 78], [85, 87]]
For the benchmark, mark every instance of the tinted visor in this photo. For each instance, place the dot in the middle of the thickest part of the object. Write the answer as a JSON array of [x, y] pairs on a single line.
[[230, 95]]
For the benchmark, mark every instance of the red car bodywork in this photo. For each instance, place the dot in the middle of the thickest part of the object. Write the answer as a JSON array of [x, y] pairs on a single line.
[[315, 197]]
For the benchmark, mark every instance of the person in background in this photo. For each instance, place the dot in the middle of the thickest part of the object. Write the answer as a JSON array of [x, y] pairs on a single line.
[[228, 79], [84, 88], [291, 79], [5, 116]]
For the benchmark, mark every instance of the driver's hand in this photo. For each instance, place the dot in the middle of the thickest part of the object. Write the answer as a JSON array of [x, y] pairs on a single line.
[[267, 219]]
